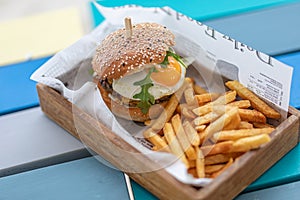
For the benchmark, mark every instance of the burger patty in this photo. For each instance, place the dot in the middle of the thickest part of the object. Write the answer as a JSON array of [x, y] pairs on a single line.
[[126, 101]]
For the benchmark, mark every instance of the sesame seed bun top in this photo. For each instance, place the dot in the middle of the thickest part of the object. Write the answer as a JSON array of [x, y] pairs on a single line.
[[118, 55]]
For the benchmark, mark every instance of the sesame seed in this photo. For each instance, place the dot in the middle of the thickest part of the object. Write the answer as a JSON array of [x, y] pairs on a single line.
[[146, 36]]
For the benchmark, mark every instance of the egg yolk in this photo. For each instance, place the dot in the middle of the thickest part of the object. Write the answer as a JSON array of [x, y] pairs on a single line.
[[167, 76]]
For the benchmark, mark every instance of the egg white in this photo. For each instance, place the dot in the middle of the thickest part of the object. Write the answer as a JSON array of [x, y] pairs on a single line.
[[124, 86]]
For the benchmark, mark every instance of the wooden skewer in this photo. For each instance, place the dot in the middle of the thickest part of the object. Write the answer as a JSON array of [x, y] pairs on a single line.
[[128, 27]]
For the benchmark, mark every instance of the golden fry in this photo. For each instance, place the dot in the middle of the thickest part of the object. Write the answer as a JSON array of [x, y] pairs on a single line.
[[234, 122], [222, 100], [192, 163], [241, 104], [189, 95], [209, 169], [155, 148], [182, 106], [179, 108], [224, 126], [198, 89], [220, 158], [207, 118], [249, 143], [200, 167], [193, 172], [174, 144], [256, 102], [200, 128], [221, 109], [245, 125], [252, 116], [217, 111], [182, 138], [262, 125], [202, 110], [206, 97], [185, 112], [237, 134], [221, 147], [215, 174], [191, 133], [225, 99], [166, 115], [156, 140], [219, 124]]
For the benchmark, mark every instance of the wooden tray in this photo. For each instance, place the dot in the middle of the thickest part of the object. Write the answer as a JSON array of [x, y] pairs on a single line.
[[159, 182]]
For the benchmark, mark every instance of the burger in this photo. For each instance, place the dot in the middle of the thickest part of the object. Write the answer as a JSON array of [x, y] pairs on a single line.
[[137, 75]]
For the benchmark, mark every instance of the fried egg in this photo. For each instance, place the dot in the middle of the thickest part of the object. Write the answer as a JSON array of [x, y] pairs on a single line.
[[166, 80]]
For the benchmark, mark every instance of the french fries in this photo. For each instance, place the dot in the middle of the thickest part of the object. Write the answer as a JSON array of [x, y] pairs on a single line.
[[215, 174], [262, 125], [220, 158], [234, 123], [170, 107], [219, 124], [252, 116], [209, 169], [156, 140], [237, 134], [200, 128], [182, 138], [222, 100], [191, 133], [221, 147], [206, 97], [248, 143], [200, 164], [256, 102], [198, 89], [241, 104], [189, 95], [245, 125], [187, 113], [207, 118], [209, 131], [174, 144]]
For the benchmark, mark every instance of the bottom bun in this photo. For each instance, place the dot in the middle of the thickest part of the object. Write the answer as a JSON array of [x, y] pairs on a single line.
[[130, 113]]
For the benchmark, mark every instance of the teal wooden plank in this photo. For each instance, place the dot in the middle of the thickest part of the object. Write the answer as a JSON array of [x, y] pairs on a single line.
[[140, 193], [273, 31], [17, 90], [263, 28], [84, 179], [30, 140], [293, 59], [81, 179], [284, 171], [201, 10], [288, 191]]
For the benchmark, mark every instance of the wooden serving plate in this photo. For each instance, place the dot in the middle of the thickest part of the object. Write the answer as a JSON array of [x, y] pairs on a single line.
[[127, 158]]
